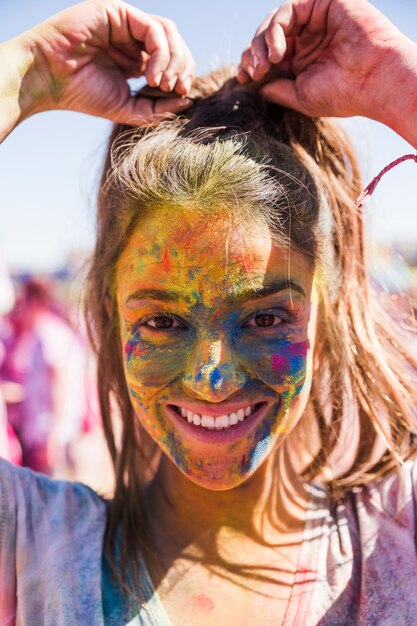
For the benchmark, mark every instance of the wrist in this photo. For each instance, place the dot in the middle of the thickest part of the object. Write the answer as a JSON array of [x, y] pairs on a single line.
[[23, 90], [396, 103]]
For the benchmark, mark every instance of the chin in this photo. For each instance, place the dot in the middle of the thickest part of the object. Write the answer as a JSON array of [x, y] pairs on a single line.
[[224, 474]]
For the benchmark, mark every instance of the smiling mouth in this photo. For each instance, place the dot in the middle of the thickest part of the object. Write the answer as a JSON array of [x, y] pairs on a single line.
[[222, 422]]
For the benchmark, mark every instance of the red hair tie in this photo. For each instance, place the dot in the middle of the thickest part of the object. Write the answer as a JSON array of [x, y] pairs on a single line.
[[373, 184]]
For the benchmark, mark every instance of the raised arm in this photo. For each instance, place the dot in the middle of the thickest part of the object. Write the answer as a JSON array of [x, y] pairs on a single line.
[[336, 58], [81, 58]]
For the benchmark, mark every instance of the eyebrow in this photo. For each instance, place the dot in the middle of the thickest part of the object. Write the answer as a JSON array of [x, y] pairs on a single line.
[[176, 296], [270, 289]]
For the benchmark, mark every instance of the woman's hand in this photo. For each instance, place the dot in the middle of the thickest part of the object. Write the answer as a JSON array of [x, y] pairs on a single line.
[[335, 57], [81, 58]]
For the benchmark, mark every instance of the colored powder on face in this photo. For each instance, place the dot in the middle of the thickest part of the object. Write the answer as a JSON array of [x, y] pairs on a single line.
[[263, 437], [134, 348], [165, 261], [135, 395], [258, 454], [291, 357], [287, 396], [177, 451], [216, 379], [210, 371]]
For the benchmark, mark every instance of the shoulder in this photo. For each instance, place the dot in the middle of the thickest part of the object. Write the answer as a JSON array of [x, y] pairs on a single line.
[[22, 487], [392, 497], [51, 540], [46, 513]]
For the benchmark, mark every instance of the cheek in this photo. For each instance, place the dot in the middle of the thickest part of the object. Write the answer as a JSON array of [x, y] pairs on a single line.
[[150, 364], [278, 363], [288, 362]]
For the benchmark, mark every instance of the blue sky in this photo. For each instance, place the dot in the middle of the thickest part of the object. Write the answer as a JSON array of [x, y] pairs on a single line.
[[50, 164]]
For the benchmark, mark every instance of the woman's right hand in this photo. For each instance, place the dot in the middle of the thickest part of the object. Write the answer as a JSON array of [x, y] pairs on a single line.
[[81, 58], [336, 58]]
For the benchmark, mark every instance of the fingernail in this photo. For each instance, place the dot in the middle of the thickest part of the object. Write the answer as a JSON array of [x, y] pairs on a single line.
[[158, 79], [250, 70], [184, 103], [187, 83], [172, 82], [255, 60]]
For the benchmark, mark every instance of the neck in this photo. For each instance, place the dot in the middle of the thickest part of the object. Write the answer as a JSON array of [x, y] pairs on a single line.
[[268, 508]]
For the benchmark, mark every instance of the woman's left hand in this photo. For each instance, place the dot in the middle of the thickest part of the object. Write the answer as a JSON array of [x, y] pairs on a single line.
[[335, 58]]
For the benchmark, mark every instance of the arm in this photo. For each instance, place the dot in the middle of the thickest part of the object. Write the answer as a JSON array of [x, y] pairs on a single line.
[[336, 58], [15, 59], [80, 60]]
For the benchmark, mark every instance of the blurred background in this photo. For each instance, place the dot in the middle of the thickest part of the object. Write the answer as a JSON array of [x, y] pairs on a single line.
[[49, 169]]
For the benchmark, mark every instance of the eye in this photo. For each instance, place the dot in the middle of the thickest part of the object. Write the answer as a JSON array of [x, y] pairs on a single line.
[[268, 319], [163, 322], [264, 320]]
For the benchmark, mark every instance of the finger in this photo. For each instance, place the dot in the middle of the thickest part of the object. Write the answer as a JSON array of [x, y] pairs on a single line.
[[130, 67], [284, 92], [132, 30], [177, 52], [185, 75], [242, 76], [171, 105], [184, 83], [247, 63], [265, 23], [150, 31], [259, 52], [288, 21], [139, 111], [185, 79], [255, 56]]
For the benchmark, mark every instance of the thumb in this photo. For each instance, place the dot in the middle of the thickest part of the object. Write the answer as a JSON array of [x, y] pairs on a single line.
[[137, 111], [283, 91]]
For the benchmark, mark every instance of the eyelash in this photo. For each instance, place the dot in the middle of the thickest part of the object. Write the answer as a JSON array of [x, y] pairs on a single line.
[[145, 322], [284, 317]]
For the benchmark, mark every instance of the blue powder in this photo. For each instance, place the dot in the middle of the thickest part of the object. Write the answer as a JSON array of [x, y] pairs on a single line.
[[215, 378]]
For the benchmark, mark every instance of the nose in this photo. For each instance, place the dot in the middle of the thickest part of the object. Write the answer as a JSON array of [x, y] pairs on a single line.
[[214, 372]]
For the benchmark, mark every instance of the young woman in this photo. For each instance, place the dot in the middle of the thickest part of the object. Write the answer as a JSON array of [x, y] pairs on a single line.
[[265, 472]]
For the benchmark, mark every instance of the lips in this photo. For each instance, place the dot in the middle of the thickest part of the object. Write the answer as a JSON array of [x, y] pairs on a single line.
[[225, 421]]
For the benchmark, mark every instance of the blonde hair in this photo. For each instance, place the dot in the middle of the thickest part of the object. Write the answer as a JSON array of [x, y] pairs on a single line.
[[233, 151]]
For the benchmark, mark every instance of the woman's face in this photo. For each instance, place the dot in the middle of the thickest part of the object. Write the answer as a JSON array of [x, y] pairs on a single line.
[[217, 328]]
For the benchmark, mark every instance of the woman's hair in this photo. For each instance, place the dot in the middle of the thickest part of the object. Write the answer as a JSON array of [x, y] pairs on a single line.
[[235, 153]]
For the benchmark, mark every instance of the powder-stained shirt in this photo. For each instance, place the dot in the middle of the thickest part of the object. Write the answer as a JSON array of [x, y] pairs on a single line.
[[357, 564]]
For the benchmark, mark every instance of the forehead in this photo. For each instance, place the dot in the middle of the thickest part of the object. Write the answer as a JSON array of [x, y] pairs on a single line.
[[206, 260]]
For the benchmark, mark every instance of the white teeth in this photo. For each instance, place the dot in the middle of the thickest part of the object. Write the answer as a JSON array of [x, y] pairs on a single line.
[[217, 423], [207, 421], [222, 421]]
